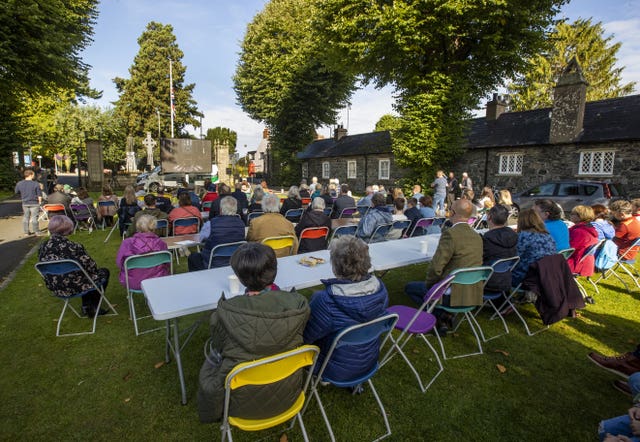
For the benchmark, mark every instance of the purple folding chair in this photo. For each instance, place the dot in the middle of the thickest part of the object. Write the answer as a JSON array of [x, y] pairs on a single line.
[[422, 223]]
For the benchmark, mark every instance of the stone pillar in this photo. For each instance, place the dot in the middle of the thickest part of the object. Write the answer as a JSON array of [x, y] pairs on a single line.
[[223, 163], [569, 98]]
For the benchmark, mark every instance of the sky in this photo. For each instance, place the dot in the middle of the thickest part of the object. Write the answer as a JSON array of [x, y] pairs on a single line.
[[210, 32]]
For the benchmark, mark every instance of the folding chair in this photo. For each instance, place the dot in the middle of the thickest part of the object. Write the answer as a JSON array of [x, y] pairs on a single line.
[[294, 215], [311, 233], [591, 251], [375, 331], [48, 210], [567, 252], [280, 242], [263, 372], [380, 234], [146, 261], [343, 230], [253, 215], [224, 251], [187, 221], [468, 276], [402, 226], [348, 212], [305, 201], [626, 265], [206, 206], [162, 227], [102, 204], [417, 322], [362, 210], [422, 223], [327, 211], [501, 266], [81, 213], [64, 267]]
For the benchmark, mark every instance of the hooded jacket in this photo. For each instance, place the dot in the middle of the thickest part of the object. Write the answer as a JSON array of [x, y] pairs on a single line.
[[341, 304], [138, 244], [498, 244], [374, 218], [312, 218], [245, 328], [581, 237]]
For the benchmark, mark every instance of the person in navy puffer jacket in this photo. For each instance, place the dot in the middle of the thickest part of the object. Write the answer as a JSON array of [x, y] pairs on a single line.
[[353, 297]]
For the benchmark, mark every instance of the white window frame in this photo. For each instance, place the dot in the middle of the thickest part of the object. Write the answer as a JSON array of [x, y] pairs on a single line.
[[305, 170], [597, 162], [382, 176], [326, 170], [510, 163], [352, 170]]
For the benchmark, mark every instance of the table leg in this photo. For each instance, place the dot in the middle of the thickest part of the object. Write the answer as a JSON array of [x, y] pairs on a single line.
[[175, 347]]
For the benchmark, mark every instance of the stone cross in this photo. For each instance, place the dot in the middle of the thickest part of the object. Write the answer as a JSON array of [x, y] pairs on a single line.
[[149, 143]]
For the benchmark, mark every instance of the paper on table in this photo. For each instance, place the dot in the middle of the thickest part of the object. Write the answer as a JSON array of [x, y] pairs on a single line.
[[186, 242]]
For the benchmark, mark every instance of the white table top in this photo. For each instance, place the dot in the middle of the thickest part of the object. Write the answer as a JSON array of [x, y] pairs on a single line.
[[401, 252]]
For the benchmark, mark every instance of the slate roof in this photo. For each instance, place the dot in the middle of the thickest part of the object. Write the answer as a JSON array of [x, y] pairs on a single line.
[[614, 119], [350, 145]]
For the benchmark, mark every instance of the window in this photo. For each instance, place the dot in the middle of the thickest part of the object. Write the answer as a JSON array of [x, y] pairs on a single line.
[[351, 170], [326, 172], [305, 170], [596, 162], [542, 190], [383, 169], [568, 189], [510, 164]]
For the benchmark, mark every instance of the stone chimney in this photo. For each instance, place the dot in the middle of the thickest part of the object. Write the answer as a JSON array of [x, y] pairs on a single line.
[[496, 107], [339, 132], [569, 98], [265, 134]]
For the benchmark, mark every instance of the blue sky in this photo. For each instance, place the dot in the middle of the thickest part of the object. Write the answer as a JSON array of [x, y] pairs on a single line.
[[209, 33]]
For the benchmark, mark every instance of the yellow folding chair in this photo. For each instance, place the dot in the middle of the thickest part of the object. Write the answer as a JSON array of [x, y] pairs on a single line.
[[281, 242], [267, 371]]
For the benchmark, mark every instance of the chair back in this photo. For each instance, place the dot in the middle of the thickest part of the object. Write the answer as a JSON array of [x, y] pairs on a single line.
[[567, 252], [306, 201], [632, 249], [80, 212], [314, 233], [64, 267], [147, 261], [471, 275], [327, 211], [252, 215], [362, 210], [422, 223], [162, 227], [224, 251], [206, 206], [402, 225], [348, 212], [280, 242], [505, 265], [380, 234], [471, 221], [344, 230], [187, 221], [436, 292], [294, 215], [54, 208], [107, 203], [592, 250]]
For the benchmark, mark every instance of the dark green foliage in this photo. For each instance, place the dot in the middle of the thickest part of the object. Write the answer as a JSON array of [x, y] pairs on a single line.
[[221, 135]]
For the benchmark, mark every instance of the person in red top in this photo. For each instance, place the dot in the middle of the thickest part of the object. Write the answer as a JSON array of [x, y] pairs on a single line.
[[185, 210], [209, 196], [582, 236], [627, 227]]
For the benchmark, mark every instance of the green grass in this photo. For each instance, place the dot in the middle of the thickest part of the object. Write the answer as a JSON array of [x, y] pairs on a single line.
[[107, 387]]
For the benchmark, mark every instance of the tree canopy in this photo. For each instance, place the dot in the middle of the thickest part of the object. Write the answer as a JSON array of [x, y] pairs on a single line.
[[146, 93], [221, 135], [387, 122], [595, 53]]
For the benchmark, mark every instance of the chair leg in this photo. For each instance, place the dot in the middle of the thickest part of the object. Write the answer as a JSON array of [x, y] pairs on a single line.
[[495, 314], [62, 313], [472, 324], [382, 410]]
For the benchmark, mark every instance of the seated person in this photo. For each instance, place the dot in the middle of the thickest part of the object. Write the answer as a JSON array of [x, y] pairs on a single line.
[[413, 213], [397, 215], [498, 243], [342, 202], [241, 197], [143, 241], [223, 229], [107, 212], [626, 427], [127, 209], [601, 222], [184, 210], [582, 235], [534, 242], [82, 197], [627, 227], [375, 217], [256, 200], [426, 211], [551, 214], [280, 318], [292, 201], [210, 195], [355, 296], [195, 199], [149, 209], [272, 224], [58, 246], [163, 202], [59, 197], [223, 190], [313, 218], [304, 191], [325, 194], [365, 201]]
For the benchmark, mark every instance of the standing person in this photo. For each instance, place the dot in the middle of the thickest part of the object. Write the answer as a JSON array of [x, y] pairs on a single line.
[[439, 186], [551, 214], [452, 189], [31, 197], [466, 182]]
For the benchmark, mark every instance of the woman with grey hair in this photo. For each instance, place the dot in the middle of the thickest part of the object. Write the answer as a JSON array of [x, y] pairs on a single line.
[[293, 200], [256, 200], [143, 241], [313, 218], [271, 224], [354, 296], [57, 247]]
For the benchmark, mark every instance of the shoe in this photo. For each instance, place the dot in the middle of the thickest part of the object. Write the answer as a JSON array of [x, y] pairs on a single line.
[[623, 387], [623, 365]]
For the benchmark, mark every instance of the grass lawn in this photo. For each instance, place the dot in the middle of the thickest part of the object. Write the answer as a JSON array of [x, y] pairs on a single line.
[[115, 386]]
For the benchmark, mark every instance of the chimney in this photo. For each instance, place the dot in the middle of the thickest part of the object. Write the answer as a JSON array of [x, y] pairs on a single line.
[[339, 132], [265, 134], [496, 107], [569, 98]]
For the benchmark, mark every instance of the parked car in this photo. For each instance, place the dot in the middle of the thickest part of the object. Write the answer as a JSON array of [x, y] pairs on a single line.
[[568, 193]]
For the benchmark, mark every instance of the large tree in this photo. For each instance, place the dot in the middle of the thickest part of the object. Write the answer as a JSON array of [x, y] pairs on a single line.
[[595, 53], [220, 135], [282, 81], [442, 57], [144, 97]]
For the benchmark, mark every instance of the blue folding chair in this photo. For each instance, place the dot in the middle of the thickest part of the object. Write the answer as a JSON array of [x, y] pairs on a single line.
[[374, 332], [343, 230], [224, 251], [162, 227], [252, 215], [294, 215], [402, 226], [380, 234], [107, 204], [626, 265], [187, 221], [64, 268]]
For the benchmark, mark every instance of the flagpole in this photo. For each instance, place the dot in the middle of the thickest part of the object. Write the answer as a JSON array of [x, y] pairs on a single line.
[[171, 105]]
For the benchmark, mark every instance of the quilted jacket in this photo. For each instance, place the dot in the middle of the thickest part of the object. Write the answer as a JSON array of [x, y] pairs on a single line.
[[245, 328], [138, 244], [341, 304]]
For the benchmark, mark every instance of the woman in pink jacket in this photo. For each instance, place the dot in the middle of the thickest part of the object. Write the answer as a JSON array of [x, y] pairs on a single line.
[[143, 241]]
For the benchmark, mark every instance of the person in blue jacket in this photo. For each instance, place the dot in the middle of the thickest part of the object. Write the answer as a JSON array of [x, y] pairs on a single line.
[[353, 297], [551, 214]]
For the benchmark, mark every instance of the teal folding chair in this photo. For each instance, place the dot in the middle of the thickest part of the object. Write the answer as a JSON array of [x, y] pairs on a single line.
[[146, 261]]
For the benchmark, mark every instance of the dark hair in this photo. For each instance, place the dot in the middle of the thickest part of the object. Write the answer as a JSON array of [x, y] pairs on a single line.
[[378, 200], [344, 188], [399, 203], [255, 265], [150, 199], [184, 199], [530, 221], [412, 202], [426, 201], [550, 207], [499, 215]]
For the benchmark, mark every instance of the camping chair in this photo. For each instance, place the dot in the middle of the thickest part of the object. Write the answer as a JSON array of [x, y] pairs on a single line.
[[267, 371], [146, 261], [418, 322], [81, 213], [348, 212], [281, 242], [311, 233], [105, 204], [468, 276], [224, 251], [591, 251], [64, 267], [380, 234], [187, 221], [253, 215], [505, 265], [422, 223], [377, 330], [294, 215], [402, 226], [626, 265], [343, 230], [48, 210]]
